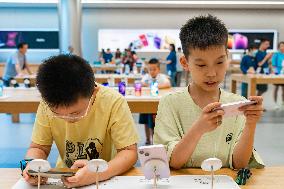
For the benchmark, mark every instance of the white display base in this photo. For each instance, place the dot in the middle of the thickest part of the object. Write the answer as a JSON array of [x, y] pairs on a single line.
[[51, 183], [4, 97], [139, 182]]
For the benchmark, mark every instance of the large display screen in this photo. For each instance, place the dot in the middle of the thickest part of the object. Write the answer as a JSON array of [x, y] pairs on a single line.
[[146, 40], [158, 40], [35, 39], [241, 39]]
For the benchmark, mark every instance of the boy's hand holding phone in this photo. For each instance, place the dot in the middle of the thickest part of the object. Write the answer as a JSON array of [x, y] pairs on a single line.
[[253, 112], [209, 120]]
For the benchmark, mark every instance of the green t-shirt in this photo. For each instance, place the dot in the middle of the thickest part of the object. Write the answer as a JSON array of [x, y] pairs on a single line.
[[176, 114]]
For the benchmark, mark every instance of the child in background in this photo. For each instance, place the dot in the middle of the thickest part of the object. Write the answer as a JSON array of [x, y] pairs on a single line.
[[186, 122], [128, 60], [107, 57], [278, 63], [117, 56], [248, 65], [163, 82]]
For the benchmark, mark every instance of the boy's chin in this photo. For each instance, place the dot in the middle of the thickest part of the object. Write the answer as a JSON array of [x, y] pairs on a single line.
[[210, 88], [154, 76], [72, 121]]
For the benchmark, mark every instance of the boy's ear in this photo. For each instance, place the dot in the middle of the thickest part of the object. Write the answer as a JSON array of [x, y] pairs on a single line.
[[228, 59], [184, 63], [228, 53]]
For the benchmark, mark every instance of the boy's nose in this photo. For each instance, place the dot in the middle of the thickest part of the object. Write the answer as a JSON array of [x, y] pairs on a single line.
[[211, 72]]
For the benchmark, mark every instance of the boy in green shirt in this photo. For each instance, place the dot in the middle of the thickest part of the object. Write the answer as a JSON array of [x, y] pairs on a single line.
[[186, 124]]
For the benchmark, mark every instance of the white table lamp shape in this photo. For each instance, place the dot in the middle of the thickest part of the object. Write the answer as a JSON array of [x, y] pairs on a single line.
[[27, 81], [13, 81], [39, 166], [97, 166], [211, 164]]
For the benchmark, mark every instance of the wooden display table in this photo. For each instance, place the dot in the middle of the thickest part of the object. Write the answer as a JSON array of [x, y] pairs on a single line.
[[253, 79], [26, 100], [99, 78]]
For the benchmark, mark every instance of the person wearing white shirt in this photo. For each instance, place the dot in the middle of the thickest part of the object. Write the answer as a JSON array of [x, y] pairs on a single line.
[[16, 64], [163, 82]]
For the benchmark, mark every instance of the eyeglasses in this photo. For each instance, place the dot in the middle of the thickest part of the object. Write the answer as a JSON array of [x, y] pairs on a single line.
[[71, 117]]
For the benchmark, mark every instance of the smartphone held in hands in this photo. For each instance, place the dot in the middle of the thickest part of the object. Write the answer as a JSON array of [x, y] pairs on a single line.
[[232, 109], [53, 173]]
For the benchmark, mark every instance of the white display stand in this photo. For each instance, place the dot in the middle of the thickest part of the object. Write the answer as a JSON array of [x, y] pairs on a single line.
[[51, 184], [39, 166], [97, 166], [211, 164]]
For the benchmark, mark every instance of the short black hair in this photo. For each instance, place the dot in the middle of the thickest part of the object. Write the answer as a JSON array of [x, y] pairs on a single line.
[[262, 40], [173, 47], [203, 32], [280, 43], [252, 46], [63, 79], [154, 61], [21, 45]]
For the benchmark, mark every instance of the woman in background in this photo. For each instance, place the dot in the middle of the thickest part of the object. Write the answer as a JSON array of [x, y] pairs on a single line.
[[172, 64]]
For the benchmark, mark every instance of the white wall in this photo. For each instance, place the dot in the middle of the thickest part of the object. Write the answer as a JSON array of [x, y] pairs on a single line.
[[95, 18]]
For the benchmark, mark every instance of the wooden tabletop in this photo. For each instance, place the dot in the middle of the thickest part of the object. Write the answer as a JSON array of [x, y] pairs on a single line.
[[26, 100], [267, 178], [106, 78], [253, 80], [101, 67], [129, 76], [33, 67], [99, 78], [259, 78], [105, 67]]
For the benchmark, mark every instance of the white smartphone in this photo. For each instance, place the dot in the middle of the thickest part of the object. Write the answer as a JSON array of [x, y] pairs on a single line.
[[52, 174], [154, 159], [232, 109]]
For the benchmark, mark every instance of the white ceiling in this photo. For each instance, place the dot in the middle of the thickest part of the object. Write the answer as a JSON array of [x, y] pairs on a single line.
[[221, 4]]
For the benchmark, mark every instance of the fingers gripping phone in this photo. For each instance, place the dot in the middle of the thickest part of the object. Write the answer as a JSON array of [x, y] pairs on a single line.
[[56, 174], [232, 109]]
